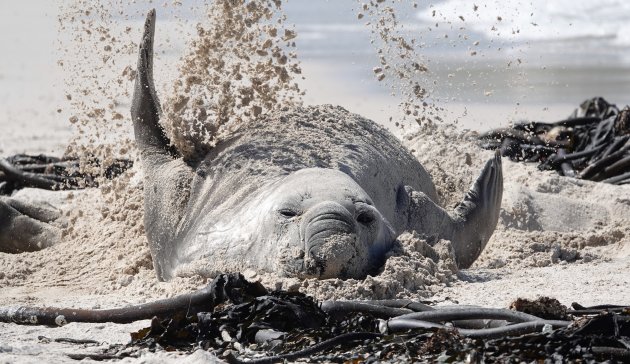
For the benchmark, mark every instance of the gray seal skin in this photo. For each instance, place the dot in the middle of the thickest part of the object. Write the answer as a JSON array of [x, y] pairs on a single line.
[[311, 192], [24, 226]]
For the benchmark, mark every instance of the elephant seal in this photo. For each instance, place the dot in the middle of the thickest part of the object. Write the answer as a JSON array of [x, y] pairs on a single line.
[[311, 192]]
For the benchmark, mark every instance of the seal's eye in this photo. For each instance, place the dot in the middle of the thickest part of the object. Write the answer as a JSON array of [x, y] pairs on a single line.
[[288, 213], [365, 217]]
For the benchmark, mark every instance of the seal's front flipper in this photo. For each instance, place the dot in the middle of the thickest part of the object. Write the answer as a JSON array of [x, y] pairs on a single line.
[[24, 228], [167, 178], [476, 217], [145, 107]]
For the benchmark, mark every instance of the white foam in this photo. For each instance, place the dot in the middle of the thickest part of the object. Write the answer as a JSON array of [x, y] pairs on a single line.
[[539, 20]]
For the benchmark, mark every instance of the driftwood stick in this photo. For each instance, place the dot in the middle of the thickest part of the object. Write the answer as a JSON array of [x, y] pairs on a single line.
[[401, 303], [98, 357], [345, 307], [489, 333], [469, 313], [218, 291]]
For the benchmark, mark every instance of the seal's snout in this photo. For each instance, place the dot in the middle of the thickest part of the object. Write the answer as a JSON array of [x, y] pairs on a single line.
[[326, 219], [332, 246]]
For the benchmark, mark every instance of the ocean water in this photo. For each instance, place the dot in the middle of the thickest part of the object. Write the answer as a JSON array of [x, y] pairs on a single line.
[[552, 22], [489, 62], [596, 32], [526, 52]]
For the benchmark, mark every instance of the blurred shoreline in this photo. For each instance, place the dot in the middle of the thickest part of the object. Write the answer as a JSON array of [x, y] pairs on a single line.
[[507, 80]]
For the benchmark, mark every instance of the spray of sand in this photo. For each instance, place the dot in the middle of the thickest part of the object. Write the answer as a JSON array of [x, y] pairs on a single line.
[[238, 68], [402, 67]]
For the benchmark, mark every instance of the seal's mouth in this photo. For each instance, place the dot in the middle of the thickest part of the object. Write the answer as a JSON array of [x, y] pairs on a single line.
[[335, 256]]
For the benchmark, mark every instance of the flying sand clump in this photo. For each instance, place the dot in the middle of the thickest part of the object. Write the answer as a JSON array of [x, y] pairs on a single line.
[[237, 69], [402, 68], [92, 49]]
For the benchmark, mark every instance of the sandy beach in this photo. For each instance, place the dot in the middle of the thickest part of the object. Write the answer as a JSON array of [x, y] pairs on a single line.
[[558, 237]]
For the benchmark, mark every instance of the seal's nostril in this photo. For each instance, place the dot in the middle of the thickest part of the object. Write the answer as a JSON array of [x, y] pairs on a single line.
[[365, 218]]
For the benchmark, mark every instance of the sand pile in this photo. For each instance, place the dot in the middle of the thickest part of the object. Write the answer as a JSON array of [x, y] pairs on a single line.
[[557, 220], [103, 250], [413, 269]]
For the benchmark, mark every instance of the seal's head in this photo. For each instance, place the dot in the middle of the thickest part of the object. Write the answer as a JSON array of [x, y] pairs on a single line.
[[311, 223], [339, 231]]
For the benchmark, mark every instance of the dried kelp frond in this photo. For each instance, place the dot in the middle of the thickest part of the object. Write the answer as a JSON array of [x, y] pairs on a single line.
[[51, 173], [593, 143]]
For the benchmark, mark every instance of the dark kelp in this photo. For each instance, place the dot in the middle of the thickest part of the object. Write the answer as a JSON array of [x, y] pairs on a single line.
[[242, 322], [592, 144], [51, 173]]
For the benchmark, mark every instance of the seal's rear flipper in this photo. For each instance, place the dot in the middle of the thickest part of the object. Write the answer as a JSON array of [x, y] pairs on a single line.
[[145, 107], [476, 217]]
